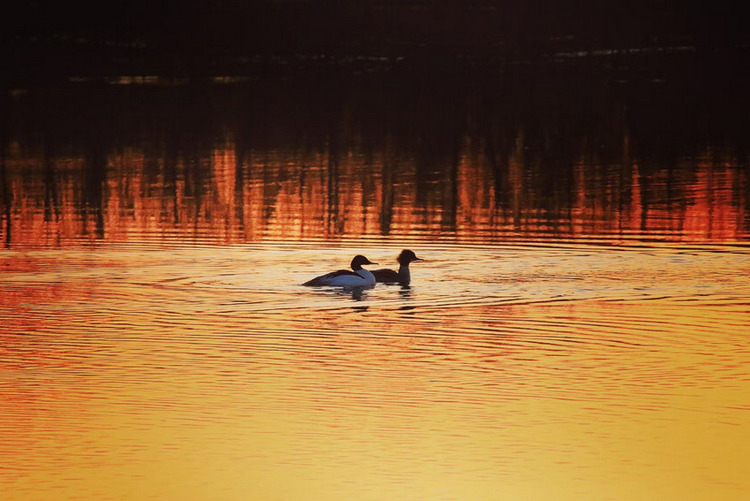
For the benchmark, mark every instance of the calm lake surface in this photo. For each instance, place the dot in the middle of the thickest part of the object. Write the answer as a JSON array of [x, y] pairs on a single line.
[[578, 329]]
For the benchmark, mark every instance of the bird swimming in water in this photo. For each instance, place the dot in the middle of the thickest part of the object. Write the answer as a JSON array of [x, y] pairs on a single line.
[[358, 277], [402, 276]]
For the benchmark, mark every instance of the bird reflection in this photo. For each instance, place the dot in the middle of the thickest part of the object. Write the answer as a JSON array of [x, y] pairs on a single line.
[[405, 292], [356, 293]]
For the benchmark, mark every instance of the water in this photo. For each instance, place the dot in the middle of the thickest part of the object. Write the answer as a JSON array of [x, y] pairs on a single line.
[[578, 329]]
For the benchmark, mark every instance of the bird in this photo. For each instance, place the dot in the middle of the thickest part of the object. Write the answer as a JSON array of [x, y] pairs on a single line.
[[358, 277], [403, 276]]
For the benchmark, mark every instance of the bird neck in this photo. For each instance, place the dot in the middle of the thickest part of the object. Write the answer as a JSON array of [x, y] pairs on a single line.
[[403, 273], [367, 275]]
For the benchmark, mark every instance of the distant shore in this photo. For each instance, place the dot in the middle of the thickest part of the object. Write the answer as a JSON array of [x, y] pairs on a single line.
[[76, 63], [50, 42]]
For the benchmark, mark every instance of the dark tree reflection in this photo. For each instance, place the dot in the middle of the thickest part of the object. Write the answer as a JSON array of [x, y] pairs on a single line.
[[539, 153]]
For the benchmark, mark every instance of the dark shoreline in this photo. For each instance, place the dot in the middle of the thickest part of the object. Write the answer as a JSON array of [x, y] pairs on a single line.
[[618, 65], [47, 42]]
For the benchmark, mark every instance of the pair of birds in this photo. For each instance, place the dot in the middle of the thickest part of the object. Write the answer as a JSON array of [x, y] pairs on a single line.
[[360, 277]]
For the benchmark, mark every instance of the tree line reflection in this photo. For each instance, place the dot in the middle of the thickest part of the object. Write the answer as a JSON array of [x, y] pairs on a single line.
[[417, 157]]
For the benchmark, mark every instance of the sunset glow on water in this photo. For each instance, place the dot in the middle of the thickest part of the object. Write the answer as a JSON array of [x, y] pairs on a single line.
[[578, 328]]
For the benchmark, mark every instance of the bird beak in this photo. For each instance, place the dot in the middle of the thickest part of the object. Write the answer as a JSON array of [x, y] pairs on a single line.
[[371, 262]]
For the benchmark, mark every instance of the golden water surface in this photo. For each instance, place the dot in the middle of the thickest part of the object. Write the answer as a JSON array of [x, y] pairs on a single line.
[[578, 329]]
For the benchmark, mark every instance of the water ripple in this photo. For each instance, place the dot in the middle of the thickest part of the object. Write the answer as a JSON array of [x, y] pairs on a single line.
[[133, 352]]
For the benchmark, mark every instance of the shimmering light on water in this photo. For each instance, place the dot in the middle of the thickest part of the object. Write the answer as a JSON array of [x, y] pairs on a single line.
[[187, 373], [578, 337]]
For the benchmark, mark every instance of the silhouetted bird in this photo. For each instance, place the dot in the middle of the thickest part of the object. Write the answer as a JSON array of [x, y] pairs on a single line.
[[403, 276]]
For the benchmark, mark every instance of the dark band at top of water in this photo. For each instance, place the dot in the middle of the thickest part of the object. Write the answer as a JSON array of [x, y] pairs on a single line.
[[537, 154], [47, 40]]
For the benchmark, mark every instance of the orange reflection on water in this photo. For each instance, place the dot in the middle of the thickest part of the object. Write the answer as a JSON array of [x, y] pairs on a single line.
[[718, 210], [224, 198]]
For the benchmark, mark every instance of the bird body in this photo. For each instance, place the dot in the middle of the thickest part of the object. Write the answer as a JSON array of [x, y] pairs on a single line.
[[358, 277]]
